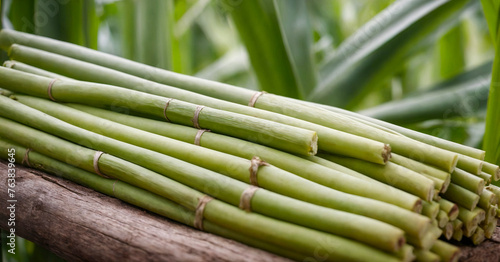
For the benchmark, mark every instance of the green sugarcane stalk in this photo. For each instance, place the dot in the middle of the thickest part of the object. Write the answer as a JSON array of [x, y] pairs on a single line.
[[406, 253], [333, 141], [495, 190], [492, 170], [136, 196], [458, 234], [486, 199], [457, 224], [31, 69], [469, 159], [234, 94], [446, 251], [470, 164], [287, 138], [299, 166], [450, 208], [219, 186], [491, 213], [442, 219], [426, 256], [461, 196], [489, 228], [470, 219], [430, 209], [440, 177], [486, 177], [478, 237], [448, 230], [428, 240], [282, 234], [468, 181], [391, 174], [422, 137], [268, 176]]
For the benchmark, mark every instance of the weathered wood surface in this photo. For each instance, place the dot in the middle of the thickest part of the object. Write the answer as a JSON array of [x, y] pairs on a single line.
[[79, 224]]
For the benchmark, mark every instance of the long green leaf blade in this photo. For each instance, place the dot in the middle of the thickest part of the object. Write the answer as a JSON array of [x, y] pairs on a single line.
[[375, 52], [452, 98], [491, 10], [264, 27], [491, 142]]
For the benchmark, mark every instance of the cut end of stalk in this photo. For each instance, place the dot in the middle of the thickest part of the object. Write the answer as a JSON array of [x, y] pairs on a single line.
[[401, 242], [453, 164], [9, 64], [314, 145], [386, 153], [417, 207], [446, 184], [453, 214]]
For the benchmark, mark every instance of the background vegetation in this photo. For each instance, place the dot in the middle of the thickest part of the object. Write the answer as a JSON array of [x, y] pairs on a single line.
[[424, 64]]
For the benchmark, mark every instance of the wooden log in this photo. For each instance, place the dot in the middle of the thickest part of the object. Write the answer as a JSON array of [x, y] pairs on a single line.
[[79, 224]]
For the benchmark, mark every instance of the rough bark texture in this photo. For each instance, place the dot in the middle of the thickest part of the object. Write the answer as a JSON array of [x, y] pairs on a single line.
[[79, 224]]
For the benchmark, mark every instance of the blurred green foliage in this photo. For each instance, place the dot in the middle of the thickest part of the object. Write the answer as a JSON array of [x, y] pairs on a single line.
[[426, 63]]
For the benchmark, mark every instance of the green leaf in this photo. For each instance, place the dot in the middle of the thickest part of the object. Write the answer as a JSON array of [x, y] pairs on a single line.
[[278, 39], [377, 50], [451, 53], [21, 16], [491, 142], [146, 31], [491, 10], [456, 97]]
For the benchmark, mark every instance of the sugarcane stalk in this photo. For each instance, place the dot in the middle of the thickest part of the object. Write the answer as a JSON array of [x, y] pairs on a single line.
[[491, 213], [333, 141], [268, 176], [284, 235], [478, 237], [391, 174], [468, 181], [489, 228], [470, 164], [458, 234], [427, 241], [283, 137], [486, 177], [492, 170], [470, 219], [457, 224], [426, 256], [299, 166], [219, 186], [268, 102], [31, 69], [448, 230], [442, 219], [461, 196], [430, 209], [446, 251], [486, 199], [495, 190], [441, 178], [450, 208], [422, 137], [406, 253], [136, 196]]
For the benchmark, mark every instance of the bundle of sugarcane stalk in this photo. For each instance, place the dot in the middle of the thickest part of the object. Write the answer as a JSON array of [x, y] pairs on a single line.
[[302, 180]]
